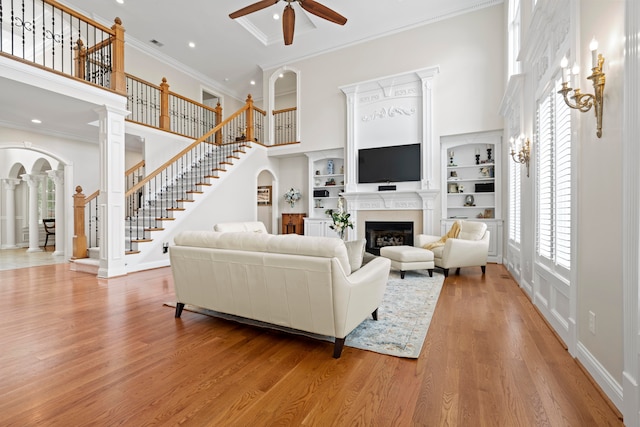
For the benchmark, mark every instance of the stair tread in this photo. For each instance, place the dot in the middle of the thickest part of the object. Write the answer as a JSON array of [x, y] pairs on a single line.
[[165, 219], [176, 209], [141, 240]]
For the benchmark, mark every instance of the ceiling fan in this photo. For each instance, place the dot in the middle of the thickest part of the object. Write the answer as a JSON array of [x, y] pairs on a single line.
[[289, 17]]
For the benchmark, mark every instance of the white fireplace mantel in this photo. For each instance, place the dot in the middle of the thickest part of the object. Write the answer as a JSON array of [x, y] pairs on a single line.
[[422, 200]]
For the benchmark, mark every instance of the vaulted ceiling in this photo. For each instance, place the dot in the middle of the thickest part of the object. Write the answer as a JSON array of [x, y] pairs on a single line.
[[232, 53]]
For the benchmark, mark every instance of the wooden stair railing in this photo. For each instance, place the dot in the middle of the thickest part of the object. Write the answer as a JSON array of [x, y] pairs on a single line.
[[80, 224], [151, 199], [284, 123], [157, 106], [43, 32], [166, 190]]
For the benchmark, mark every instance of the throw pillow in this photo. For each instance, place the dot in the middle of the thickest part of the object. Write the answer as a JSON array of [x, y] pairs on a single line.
[[355, 252]]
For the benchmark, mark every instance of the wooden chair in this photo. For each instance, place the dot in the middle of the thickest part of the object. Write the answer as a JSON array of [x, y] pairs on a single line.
[[49, 228]]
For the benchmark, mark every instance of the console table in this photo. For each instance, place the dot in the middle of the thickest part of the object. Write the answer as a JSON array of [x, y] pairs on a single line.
[[293, 223]]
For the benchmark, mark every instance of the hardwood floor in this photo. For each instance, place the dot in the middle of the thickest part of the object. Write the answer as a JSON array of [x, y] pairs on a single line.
[[77, 350]]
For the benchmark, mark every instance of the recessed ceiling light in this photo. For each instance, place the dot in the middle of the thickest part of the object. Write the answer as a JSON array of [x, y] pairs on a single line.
[[276, 16], [120, 1], [281, 75], [192, 44], [36, 121], [253, 82]]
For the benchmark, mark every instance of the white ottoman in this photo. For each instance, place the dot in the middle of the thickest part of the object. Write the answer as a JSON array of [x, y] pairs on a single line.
[[405, 258]]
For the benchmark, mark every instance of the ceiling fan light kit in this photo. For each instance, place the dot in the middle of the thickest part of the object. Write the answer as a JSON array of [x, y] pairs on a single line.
[[289, 16]]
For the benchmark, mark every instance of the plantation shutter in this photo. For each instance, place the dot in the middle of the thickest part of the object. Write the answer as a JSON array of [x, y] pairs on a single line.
[[562, 181], [514, 202], [544, 233]]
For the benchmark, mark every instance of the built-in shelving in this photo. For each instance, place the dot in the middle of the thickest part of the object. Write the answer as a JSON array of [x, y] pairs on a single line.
[[471, 183], [326, 182]]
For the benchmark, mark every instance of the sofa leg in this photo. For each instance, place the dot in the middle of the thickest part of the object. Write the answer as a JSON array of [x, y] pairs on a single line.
[[402, 274], [430, 272], [446, 272], [484, 269], [458, 271], [375, 314], [179, 307], [337, 348]]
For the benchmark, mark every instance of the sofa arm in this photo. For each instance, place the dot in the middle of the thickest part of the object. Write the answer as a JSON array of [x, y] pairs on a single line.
[[357, 296], [465, 253]]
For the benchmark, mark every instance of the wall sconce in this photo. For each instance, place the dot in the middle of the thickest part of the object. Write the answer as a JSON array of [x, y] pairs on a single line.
[[524, 152], [584, 101]]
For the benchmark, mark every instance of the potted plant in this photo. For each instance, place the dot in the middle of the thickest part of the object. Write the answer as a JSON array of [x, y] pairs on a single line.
[[341, 219]]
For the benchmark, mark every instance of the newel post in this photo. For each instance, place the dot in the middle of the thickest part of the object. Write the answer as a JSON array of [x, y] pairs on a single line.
[[218, 112], [81, 60], [249, 120], [165, 120], [79, 238], [118, 78]]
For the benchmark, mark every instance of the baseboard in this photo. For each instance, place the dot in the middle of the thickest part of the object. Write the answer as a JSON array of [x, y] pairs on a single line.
[[607, 385], [630, 410]]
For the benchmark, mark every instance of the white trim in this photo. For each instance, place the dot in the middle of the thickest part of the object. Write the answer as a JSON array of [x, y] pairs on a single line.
[[605, 381], [631, 217]]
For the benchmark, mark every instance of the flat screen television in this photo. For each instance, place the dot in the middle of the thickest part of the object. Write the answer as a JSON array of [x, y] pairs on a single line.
[[396, 163]]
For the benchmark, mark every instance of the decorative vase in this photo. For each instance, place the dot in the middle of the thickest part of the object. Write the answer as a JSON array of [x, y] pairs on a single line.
[[329, 167]]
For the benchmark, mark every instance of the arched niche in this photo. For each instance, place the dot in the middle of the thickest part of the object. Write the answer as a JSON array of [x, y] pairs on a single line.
[[267, 198], [284, 93]]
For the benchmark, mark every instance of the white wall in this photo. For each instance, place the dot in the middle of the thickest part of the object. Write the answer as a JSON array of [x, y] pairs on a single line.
[[600, 186], [467, 92]]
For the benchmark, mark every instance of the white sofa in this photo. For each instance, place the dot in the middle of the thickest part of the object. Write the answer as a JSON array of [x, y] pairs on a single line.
[[299, 282], [469, 249]]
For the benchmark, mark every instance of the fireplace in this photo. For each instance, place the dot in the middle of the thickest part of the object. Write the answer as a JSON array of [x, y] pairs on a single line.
[[387, 233]]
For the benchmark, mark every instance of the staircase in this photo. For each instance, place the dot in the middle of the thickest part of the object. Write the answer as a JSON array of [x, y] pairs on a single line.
[[151, 211], [151, 214]]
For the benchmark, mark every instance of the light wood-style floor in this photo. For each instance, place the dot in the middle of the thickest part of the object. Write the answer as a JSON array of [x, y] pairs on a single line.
[[76, 350]]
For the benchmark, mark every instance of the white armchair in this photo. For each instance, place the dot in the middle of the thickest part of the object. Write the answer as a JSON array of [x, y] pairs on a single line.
[[469, 249]]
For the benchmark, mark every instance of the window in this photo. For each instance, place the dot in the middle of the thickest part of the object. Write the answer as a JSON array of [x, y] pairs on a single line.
[[514, 202], [514, 37], [553, 181], [46, 198]]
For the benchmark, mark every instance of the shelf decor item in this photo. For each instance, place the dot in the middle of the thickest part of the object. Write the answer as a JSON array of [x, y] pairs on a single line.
[[341, 219], [292, 196], [329, 167]]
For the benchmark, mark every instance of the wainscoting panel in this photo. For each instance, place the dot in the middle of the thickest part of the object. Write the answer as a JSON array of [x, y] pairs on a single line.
[[551, 296]]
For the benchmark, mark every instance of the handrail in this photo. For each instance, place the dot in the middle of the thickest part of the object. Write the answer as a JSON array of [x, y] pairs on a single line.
[[133, 168], [93, 195], [284, 110], [80, 16], [203, 138]]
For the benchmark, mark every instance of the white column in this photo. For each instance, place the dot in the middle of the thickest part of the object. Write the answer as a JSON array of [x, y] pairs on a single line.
[[112, 191], [33, 181], [58, 179], [10, 203]]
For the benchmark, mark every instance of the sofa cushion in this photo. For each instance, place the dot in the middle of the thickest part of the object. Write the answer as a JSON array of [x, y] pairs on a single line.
[[472, 230], [355, 252], [293, 244], [254, 226]]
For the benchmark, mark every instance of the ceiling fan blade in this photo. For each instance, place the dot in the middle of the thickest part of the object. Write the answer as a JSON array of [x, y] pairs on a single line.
[[288, 24], [252, 8], [322, 11]]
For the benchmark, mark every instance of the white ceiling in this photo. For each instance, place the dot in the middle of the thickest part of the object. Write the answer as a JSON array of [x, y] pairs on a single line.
[[231, 53]]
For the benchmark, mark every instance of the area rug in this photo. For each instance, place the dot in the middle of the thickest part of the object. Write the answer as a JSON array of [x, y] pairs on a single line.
[[403, 317]]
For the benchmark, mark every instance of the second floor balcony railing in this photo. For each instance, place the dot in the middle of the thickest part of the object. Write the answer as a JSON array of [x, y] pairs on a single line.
[[47, 34]]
